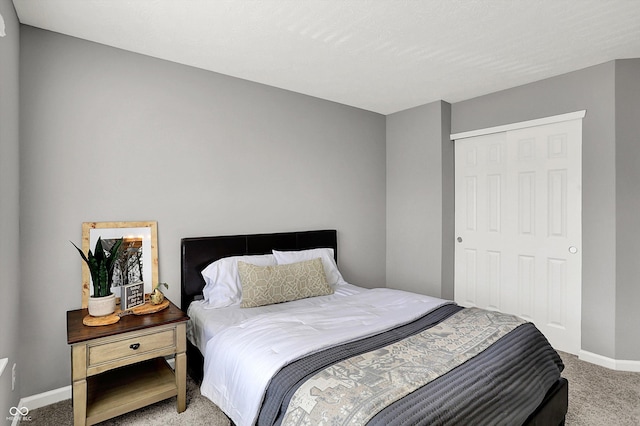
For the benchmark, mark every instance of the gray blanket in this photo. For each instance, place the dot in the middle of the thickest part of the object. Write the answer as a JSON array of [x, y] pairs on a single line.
[[501, 385]]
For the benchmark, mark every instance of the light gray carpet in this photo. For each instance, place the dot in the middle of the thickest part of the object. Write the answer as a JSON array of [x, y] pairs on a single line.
[[597, 396]]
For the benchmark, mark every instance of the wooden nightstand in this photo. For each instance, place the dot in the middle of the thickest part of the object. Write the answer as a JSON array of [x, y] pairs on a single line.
[[121, 367]]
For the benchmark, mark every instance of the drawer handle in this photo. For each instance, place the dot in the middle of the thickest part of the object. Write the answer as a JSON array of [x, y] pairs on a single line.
[[135, 346]]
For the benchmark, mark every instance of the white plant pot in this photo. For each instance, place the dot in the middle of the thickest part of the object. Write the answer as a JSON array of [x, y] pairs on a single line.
[[101, 306]]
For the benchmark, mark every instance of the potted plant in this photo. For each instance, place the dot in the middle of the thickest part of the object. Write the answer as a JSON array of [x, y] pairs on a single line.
[[100, 263]]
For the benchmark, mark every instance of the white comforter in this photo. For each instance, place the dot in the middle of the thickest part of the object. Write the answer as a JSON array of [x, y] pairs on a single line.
[[246, 347]]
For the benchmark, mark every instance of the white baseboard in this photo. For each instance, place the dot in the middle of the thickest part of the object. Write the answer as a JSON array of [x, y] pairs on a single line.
[[42, 399], [46, 398], [613, 364]]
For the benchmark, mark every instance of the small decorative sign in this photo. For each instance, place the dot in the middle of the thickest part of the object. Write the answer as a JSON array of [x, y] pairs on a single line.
[[132, 295]]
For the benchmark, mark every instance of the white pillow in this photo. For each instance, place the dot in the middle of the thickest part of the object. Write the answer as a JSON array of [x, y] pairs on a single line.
[[326, 254], [222, 280]]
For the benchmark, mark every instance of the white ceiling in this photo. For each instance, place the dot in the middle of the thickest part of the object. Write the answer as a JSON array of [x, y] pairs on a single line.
[[379, 55]]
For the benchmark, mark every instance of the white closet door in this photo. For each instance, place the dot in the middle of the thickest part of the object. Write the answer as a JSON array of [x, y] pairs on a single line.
[[518, 226]]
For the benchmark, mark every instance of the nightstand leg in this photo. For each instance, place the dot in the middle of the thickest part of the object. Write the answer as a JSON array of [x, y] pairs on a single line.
[[80, 402], [181, 381]]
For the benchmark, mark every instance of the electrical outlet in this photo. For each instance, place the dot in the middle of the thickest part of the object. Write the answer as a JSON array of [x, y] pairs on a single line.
[[13, 377]]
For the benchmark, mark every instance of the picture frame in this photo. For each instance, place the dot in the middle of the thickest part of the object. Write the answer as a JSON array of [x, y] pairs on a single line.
[[141, 237], [132, 295]]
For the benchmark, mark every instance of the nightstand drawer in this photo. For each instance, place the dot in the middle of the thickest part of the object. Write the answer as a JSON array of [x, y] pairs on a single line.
[[132, 346]]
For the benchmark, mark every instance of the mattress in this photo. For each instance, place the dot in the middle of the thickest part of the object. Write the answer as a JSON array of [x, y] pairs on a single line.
[[246, 350]]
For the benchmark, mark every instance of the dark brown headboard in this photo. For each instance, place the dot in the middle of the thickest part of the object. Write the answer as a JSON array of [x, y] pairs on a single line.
[[198, 252]]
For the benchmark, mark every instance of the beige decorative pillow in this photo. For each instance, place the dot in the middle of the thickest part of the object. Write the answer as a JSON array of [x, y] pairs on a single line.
[[265, 285]]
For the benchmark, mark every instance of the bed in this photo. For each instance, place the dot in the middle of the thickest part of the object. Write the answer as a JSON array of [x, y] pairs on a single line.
[[265, 365]]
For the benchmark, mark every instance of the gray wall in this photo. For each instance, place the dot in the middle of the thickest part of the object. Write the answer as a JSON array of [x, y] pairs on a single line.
[[108, 135], [627, 209], [9, 209], [592, 89], [448, 204], [419, 193]]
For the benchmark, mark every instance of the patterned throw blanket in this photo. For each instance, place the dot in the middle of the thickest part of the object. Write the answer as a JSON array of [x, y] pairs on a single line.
[[354, 390]]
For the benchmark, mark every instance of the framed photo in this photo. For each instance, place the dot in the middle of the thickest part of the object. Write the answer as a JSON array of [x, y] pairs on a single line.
[[138, 261], [132, 295]]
